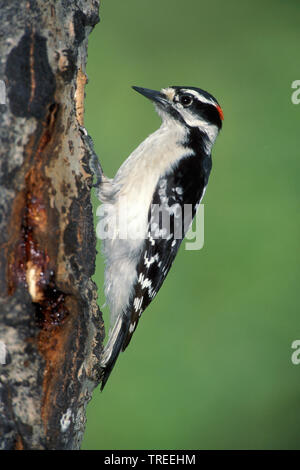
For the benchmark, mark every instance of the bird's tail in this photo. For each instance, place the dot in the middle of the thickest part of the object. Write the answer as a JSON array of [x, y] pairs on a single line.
[[113, 348]]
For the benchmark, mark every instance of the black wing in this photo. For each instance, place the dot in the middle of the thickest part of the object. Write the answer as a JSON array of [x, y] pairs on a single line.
[[173, 207]]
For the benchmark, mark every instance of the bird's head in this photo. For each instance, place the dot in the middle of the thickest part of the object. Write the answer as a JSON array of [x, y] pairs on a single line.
[[191, 106]]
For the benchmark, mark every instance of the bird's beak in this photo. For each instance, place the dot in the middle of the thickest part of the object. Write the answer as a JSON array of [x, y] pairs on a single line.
[[152, 95]]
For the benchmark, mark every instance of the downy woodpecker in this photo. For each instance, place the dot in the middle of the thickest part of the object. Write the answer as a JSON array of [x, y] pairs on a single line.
[[143, 206]]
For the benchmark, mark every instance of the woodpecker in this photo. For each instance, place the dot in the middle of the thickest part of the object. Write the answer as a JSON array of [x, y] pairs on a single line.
[[143, 206]]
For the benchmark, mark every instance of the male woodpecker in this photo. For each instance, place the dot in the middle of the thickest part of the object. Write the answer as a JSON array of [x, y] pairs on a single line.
[[143, 206]]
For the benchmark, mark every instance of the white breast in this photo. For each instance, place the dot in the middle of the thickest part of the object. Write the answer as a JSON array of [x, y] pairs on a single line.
[[138, 176], [129, 196]]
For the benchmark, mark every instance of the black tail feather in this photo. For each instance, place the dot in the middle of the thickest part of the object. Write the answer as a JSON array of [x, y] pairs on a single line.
[[113, 356]]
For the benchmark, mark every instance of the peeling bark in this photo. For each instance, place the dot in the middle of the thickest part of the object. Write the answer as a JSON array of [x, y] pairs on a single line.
[[51, 329]]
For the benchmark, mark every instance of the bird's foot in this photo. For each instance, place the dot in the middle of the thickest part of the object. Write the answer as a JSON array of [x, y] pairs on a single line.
[[94, 163]]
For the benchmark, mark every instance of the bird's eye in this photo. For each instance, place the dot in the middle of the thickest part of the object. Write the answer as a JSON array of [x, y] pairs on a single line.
[[186, 100]]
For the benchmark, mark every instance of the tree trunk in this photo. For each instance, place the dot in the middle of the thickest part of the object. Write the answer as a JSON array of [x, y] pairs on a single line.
[[51, 329]]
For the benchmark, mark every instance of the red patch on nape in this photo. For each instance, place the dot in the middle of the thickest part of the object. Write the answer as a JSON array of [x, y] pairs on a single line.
[[220, 111]]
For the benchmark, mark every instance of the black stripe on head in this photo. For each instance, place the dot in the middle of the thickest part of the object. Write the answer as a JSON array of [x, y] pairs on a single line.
[[210, 112], [204, 93]]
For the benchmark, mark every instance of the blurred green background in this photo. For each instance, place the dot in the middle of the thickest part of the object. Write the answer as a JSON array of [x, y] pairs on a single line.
[[210, 364]]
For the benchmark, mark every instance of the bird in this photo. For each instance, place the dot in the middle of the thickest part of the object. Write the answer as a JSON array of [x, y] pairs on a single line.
[[142, 219]]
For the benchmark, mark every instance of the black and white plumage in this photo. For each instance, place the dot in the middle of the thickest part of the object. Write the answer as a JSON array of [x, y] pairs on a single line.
[[144, 206]]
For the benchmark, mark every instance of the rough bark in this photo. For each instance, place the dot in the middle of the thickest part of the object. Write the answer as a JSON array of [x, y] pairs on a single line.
[[51, 329]]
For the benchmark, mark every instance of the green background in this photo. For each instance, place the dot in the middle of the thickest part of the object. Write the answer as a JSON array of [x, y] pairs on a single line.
[[209, 366]]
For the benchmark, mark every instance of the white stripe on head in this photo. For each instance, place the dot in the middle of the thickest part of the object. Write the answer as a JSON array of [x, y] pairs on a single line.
[[199, 96], [210, 129]]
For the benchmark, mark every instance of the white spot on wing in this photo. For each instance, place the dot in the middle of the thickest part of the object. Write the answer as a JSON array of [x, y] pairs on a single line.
[[137, 303], [151, 240], [149, 261], [146, 283]]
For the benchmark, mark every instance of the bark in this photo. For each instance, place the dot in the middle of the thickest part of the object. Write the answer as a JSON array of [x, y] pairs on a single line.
[[51, 329]]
